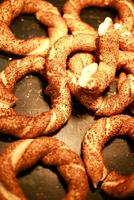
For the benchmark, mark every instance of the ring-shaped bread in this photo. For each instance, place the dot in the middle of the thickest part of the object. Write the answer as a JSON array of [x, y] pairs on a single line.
[[23, 154], [100, 78], [45, 12], [101, 105], [125, 23], [104, 129], [32, 126]]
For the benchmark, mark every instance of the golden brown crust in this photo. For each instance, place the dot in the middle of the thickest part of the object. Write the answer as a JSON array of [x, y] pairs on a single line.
[[102, 106], [108, 49], [72, 9], [100, 79], [21, 155], [125, 25], [57, 56], [120, 186], [27, 126], [45, 12], [93, 143], [80, 60], [126, 59], [126, 39]]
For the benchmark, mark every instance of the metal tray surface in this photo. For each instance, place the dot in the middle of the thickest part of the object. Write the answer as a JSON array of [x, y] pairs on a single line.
[[41, 183]]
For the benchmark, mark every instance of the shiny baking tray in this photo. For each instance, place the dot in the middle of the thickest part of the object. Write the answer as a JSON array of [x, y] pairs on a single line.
[[41, 183]]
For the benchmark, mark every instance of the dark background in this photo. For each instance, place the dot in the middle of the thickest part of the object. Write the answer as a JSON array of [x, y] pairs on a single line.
[[41, 183]]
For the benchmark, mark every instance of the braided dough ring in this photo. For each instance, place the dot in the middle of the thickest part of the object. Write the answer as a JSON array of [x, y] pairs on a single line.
[[125, 25], [100, 79], [101, 105], [28, 126], [45, 12], [93, 143], [23, 154]]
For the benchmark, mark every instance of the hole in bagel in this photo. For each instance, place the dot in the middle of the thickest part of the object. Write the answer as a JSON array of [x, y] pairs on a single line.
[[31, 99], [112, 89], [118, 155], [95, 16], [27, 26], [52, 189], [59, 4]]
